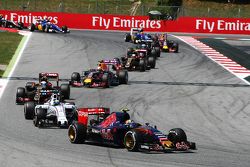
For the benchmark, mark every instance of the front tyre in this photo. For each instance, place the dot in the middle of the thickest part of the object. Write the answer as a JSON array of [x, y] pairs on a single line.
[[77, 133], [131, 141], [177, 135], [65, 91], [123, 77], [29, 110]]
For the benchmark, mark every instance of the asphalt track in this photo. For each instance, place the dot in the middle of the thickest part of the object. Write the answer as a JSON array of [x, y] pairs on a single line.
[[185, 90]]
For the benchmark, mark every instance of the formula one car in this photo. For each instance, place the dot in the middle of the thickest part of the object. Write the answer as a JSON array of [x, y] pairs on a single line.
[[117, 129], [167, 45], [41, 91], [137, 35], [46, 26], [10, 24], [51, 113], [107, 74], [138, 59]]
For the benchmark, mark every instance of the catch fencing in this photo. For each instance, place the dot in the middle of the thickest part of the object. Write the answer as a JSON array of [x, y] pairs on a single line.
[[120, 7]]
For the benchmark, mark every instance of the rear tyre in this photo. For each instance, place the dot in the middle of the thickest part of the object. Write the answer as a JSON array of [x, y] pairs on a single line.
[[127, 38], [75, 77], [151, 62], [158, 51], [64, 29], [20, 93], [131, 141], [177, 135], [32, 27], [106, 80], [177, 48], [142, 65], [77, 133], [65, 91], [29, 109], [123, 77]]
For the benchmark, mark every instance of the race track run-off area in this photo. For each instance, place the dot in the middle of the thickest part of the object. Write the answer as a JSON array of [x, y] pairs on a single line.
[[186, 89]]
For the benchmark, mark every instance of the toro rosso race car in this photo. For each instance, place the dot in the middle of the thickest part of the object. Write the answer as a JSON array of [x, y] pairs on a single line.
[[99, 126], [107, 74], [51, 113], [167, 45], [47, 26], [41, 91], [137, 35]]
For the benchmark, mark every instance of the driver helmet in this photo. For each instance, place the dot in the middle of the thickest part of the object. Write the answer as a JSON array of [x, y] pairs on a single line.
[[44, 78], [143, 46], [44, 84], [128, 121], [55, 102], [1, 16]]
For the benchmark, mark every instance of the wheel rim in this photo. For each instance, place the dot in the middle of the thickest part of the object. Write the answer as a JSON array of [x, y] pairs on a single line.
[[129, 143], [72, 133]]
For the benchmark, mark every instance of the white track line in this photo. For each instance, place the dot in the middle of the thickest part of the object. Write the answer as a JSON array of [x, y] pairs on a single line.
[[225, 62], [4, 82]]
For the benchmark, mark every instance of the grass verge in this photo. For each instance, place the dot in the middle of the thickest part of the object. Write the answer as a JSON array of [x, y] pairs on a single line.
[[8, 45]]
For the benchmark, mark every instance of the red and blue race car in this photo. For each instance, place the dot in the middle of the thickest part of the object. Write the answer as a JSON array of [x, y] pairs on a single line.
[[108, 73], [116, 128]]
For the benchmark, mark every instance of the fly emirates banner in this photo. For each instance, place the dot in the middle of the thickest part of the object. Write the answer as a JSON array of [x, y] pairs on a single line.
[[124, 23]]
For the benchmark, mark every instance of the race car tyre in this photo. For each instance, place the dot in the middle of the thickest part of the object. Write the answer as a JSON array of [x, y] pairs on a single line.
[[21, 25], [153, 53], [142, 65], [176, 48], [75, 77], [36, 121], [65, 91], [65, 29], [151, 62], [41, 113], [30, 86], [77, 133], [106, 80], [20, 93], [158, 51], [29, 109], [131, 141], [6, 24], [46, 28], [32, 27], [177, 135], [123, 77], [127, 38]]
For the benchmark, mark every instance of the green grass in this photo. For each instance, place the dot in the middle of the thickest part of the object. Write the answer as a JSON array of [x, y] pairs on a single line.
[[214, 8], [1, 73], [8, 45]]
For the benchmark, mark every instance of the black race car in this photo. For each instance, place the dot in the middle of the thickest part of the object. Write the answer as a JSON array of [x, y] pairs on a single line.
[[40, 92], [98, 125], [11, 24], [139, 58]]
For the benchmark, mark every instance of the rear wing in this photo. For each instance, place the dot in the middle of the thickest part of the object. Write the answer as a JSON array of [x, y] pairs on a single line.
[[132, 30], [49, 76], [114, 63], [83, 113]]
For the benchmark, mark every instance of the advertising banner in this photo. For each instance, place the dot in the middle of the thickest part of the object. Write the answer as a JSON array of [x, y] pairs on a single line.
[[124, 23]]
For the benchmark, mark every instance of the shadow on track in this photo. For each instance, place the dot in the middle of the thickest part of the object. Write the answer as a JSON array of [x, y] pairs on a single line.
[[147, 82]]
